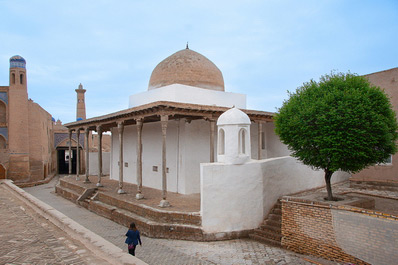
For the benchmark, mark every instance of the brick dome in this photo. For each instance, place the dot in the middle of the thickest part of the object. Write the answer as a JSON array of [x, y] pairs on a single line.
[[187, 67]]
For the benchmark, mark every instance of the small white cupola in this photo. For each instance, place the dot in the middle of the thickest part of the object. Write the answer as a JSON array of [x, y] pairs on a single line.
[[233, 137]]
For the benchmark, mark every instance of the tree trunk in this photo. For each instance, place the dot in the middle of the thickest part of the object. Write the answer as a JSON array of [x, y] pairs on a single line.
[[328, 176]]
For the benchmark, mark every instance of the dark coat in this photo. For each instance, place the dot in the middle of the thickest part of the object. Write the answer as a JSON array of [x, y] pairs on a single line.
[[133, 237]]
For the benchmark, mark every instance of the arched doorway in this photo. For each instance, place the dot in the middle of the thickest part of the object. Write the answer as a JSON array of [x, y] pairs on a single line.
[[2, 172], [3, 112], [63, 160], [3, 143]]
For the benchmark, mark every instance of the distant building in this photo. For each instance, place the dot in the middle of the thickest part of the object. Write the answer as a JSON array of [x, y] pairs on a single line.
[[32, 144], [25, 130], [386, 173]]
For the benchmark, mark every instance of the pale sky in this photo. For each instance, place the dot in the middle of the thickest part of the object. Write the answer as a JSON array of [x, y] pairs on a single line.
[[263, 48]]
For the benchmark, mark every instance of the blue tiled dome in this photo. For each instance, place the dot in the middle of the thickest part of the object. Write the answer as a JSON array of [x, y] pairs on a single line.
[[79, 119], [17, 61]]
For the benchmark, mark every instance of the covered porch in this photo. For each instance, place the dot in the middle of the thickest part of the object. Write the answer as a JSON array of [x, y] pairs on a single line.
[[161, 112]]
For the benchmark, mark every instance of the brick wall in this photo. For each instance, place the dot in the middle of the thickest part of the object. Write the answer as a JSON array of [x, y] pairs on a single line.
[[339, 233]]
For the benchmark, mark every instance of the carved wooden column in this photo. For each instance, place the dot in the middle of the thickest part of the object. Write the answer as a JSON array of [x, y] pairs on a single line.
[[120, 129], [260, 140], [99, 131], [139, 194], [163, 120], [212, 129], [70, 153], [77, 154], [87, 133]]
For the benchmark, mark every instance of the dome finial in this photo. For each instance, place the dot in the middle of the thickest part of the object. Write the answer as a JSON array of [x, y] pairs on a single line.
[[187, 46]]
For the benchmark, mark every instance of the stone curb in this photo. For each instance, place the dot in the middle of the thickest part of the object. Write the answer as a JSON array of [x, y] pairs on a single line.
[[98, 245]]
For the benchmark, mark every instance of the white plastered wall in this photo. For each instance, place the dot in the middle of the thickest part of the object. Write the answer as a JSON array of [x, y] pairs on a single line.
[[239, 197], [151, 155], [189, 94], [93, 163], [187, 145], [273, 146], [231, 197]]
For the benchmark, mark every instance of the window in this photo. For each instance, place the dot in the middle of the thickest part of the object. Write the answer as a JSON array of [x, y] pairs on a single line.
[[13, 78], [221, 142], [3, 143], [21, 79], [242, 141], [3, 112]]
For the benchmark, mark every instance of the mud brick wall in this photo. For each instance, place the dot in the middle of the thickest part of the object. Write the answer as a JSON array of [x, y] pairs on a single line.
[[339, 233]]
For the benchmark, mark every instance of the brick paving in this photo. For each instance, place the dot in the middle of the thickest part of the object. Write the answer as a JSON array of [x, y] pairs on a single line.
[[344, 187], [28, 238], [385, 200], [164, 251]]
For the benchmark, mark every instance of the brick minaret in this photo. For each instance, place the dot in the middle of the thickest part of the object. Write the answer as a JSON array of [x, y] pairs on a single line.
[[18, 130], [81, 105]]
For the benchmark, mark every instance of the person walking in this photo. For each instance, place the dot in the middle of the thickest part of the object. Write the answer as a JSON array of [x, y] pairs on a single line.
[[133, 238]]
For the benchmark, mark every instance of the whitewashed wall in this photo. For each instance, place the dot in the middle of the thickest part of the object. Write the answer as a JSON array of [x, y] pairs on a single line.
[[189, 94], [187, 145], [93, 163], [151, 155], [274, 146], [231, 197], [239, 197]]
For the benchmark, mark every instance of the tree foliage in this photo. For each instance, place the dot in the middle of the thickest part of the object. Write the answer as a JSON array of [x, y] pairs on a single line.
[[341, 122]]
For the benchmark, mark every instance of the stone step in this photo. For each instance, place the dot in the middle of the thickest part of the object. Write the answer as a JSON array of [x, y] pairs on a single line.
[[265, 240], [67, 193], [71, 186], [274, 223], [147, 227], [277, 211], [268, 234], [274, 217], [150, 212], [271, 228], [270, 231]]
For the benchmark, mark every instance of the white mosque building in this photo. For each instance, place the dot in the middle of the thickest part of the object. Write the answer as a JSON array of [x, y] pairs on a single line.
[[186, 134]]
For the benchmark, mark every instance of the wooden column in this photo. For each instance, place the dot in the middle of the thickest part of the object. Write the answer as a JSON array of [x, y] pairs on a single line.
[[70, 152], [87, 133], [164, 120], [139, 194], [99, 131], [212, 129], [77, 154], [260, 140], [120, 128]]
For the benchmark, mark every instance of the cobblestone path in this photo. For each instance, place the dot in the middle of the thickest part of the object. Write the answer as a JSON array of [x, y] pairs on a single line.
[[28, 238], [173, 252]]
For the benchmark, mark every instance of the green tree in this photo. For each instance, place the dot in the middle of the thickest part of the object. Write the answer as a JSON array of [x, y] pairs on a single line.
[[341, 122]]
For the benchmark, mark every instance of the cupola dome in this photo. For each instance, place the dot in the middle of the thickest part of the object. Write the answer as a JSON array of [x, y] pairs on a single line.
[[233, 137], [17, 61], [233, 116], [187, 67]]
